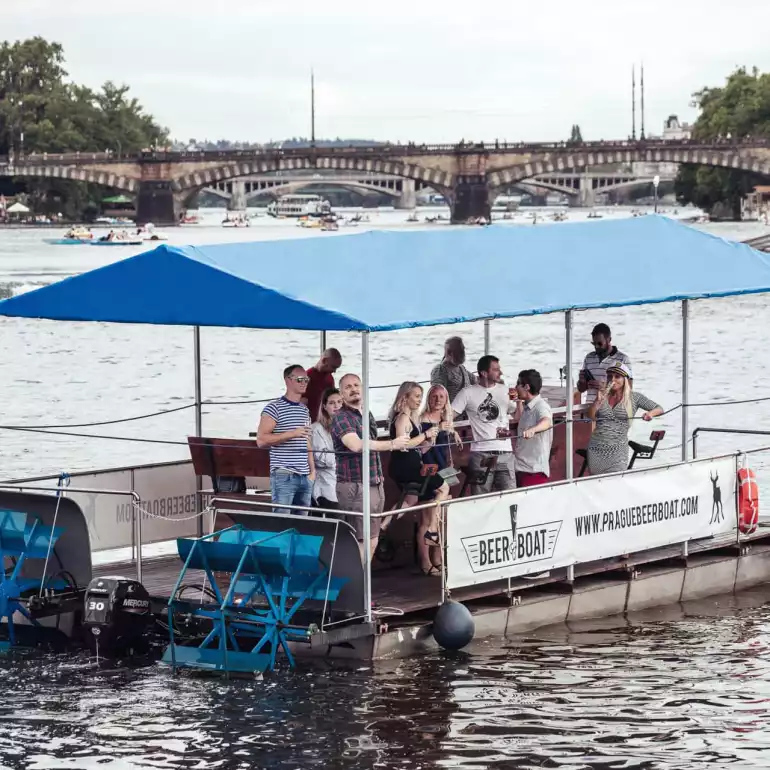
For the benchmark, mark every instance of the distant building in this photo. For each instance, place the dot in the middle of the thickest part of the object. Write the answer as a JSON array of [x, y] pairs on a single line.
[[673, 129]]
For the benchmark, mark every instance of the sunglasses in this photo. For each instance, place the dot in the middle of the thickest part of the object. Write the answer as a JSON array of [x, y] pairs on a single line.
[[301, 379]]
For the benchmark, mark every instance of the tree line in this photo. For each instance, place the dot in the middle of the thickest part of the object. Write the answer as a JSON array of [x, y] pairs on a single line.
[[41, 110], [740, 109]]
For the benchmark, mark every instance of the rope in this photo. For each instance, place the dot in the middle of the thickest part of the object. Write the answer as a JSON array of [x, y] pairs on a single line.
[[64, 481], [108, 422], [52, 430], [163, 412]]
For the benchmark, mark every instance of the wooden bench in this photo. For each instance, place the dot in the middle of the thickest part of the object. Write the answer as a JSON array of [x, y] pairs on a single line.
[[228, 462]]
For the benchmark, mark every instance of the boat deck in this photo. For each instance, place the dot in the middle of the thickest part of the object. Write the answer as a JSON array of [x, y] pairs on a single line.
[[406, 591]]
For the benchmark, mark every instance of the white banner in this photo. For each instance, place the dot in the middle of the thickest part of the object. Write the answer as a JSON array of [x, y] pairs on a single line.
[[541, 528], [167, 492]]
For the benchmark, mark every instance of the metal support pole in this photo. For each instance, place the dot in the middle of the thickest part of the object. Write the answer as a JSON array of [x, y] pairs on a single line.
[[486, 337], [198, 416], [197, 353], [569, 386], [685, 373], [323, 342], [365, 485]]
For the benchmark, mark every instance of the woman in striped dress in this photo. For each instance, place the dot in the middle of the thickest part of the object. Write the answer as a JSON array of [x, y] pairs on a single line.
[[612, 412]]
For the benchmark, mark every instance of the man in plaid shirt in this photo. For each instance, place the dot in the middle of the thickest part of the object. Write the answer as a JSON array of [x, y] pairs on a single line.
[[347, 434]]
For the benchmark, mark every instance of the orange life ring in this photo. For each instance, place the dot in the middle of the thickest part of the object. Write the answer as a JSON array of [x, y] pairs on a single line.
[[748, 501]]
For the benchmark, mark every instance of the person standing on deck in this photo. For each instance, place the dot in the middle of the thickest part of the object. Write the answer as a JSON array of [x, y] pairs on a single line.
[[489, 406], [534, 432], [593, 375], [347, 434], [451, 372], [284, 428], [325, 486], [612, 412], [321, 378]]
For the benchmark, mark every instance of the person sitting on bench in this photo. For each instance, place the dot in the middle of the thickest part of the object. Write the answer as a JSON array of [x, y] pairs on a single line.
[[406, 468], [612, 412]]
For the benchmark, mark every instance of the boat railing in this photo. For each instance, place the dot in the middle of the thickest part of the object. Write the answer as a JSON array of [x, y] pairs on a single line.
[[733, 431], [136, 501]]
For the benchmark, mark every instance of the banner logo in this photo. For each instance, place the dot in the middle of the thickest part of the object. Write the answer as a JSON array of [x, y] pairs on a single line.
[[717, 511], [518, 545]]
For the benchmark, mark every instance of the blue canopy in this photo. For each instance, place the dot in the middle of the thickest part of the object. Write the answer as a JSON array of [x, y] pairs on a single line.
[[394, 279]]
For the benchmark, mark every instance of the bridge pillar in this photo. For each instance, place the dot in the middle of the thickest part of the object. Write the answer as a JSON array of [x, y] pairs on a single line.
[[469, 199], [408, 197], [587, 196], [237, 200], [157, 203]]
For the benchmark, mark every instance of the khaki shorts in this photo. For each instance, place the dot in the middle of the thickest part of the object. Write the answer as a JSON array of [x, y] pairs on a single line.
[[350, 496]]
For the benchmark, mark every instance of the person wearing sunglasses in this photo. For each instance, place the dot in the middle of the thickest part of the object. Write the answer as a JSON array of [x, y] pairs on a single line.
[[284, 429], [593, 375]]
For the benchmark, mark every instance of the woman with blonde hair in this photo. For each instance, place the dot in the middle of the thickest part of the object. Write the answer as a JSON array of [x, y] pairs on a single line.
[[612, 412], [437, 412], [406, 468]]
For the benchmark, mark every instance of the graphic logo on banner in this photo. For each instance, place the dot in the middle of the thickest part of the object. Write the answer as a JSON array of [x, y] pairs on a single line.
[[717, 511], [518, 545]]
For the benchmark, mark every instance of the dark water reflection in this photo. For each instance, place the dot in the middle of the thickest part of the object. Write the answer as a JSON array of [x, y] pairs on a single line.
[[667, 689]]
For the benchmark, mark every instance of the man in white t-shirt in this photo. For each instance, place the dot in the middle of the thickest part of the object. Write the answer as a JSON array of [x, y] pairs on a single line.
[[488, 407]]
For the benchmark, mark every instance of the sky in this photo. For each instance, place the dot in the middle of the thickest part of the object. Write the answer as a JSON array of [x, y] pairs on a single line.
[[425, 70]]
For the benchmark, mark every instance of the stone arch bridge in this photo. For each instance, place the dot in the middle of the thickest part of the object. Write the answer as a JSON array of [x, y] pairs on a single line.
[[470, 176]]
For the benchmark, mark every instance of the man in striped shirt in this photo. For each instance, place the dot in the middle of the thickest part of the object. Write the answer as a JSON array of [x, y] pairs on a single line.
[[284, 428], [593, 375]]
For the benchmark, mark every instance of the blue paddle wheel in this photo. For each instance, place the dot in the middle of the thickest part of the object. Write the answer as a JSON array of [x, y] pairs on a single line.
[[274, 579], [23, 539]]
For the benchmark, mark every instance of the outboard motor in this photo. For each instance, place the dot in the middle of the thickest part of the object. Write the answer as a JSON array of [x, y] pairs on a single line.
[[116, 615]]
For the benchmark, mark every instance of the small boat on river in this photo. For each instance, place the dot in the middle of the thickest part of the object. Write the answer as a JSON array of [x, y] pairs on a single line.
[[74, 236], [241, 220]]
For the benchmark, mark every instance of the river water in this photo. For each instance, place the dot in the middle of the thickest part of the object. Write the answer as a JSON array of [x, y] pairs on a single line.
[[676, 688]]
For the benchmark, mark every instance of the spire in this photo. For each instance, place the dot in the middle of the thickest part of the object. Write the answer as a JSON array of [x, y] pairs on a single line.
[[312, 107], [641, 134], [633, 101]]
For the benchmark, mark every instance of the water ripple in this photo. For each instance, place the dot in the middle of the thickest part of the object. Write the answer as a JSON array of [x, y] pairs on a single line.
[[676, 694]]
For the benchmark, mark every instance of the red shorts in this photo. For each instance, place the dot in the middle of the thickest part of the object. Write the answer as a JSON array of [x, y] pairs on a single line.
[[530, 479]]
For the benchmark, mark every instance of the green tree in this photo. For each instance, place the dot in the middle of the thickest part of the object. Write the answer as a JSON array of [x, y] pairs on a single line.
[[575, 137], [52, 114], [31, 79], [740, 109]]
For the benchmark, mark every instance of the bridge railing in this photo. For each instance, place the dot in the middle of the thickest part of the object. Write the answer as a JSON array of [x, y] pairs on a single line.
[[380, 150]]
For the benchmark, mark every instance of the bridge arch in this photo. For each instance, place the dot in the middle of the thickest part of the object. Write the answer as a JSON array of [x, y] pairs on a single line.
[[432, 177], [288, 186], [292, 186], [539, 184], [79, 174], [575, 160]]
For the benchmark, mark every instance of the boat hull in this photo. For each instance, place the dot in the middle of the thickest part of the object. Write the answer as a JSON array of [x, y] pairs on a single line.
[[116, 243], [67, 241]]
